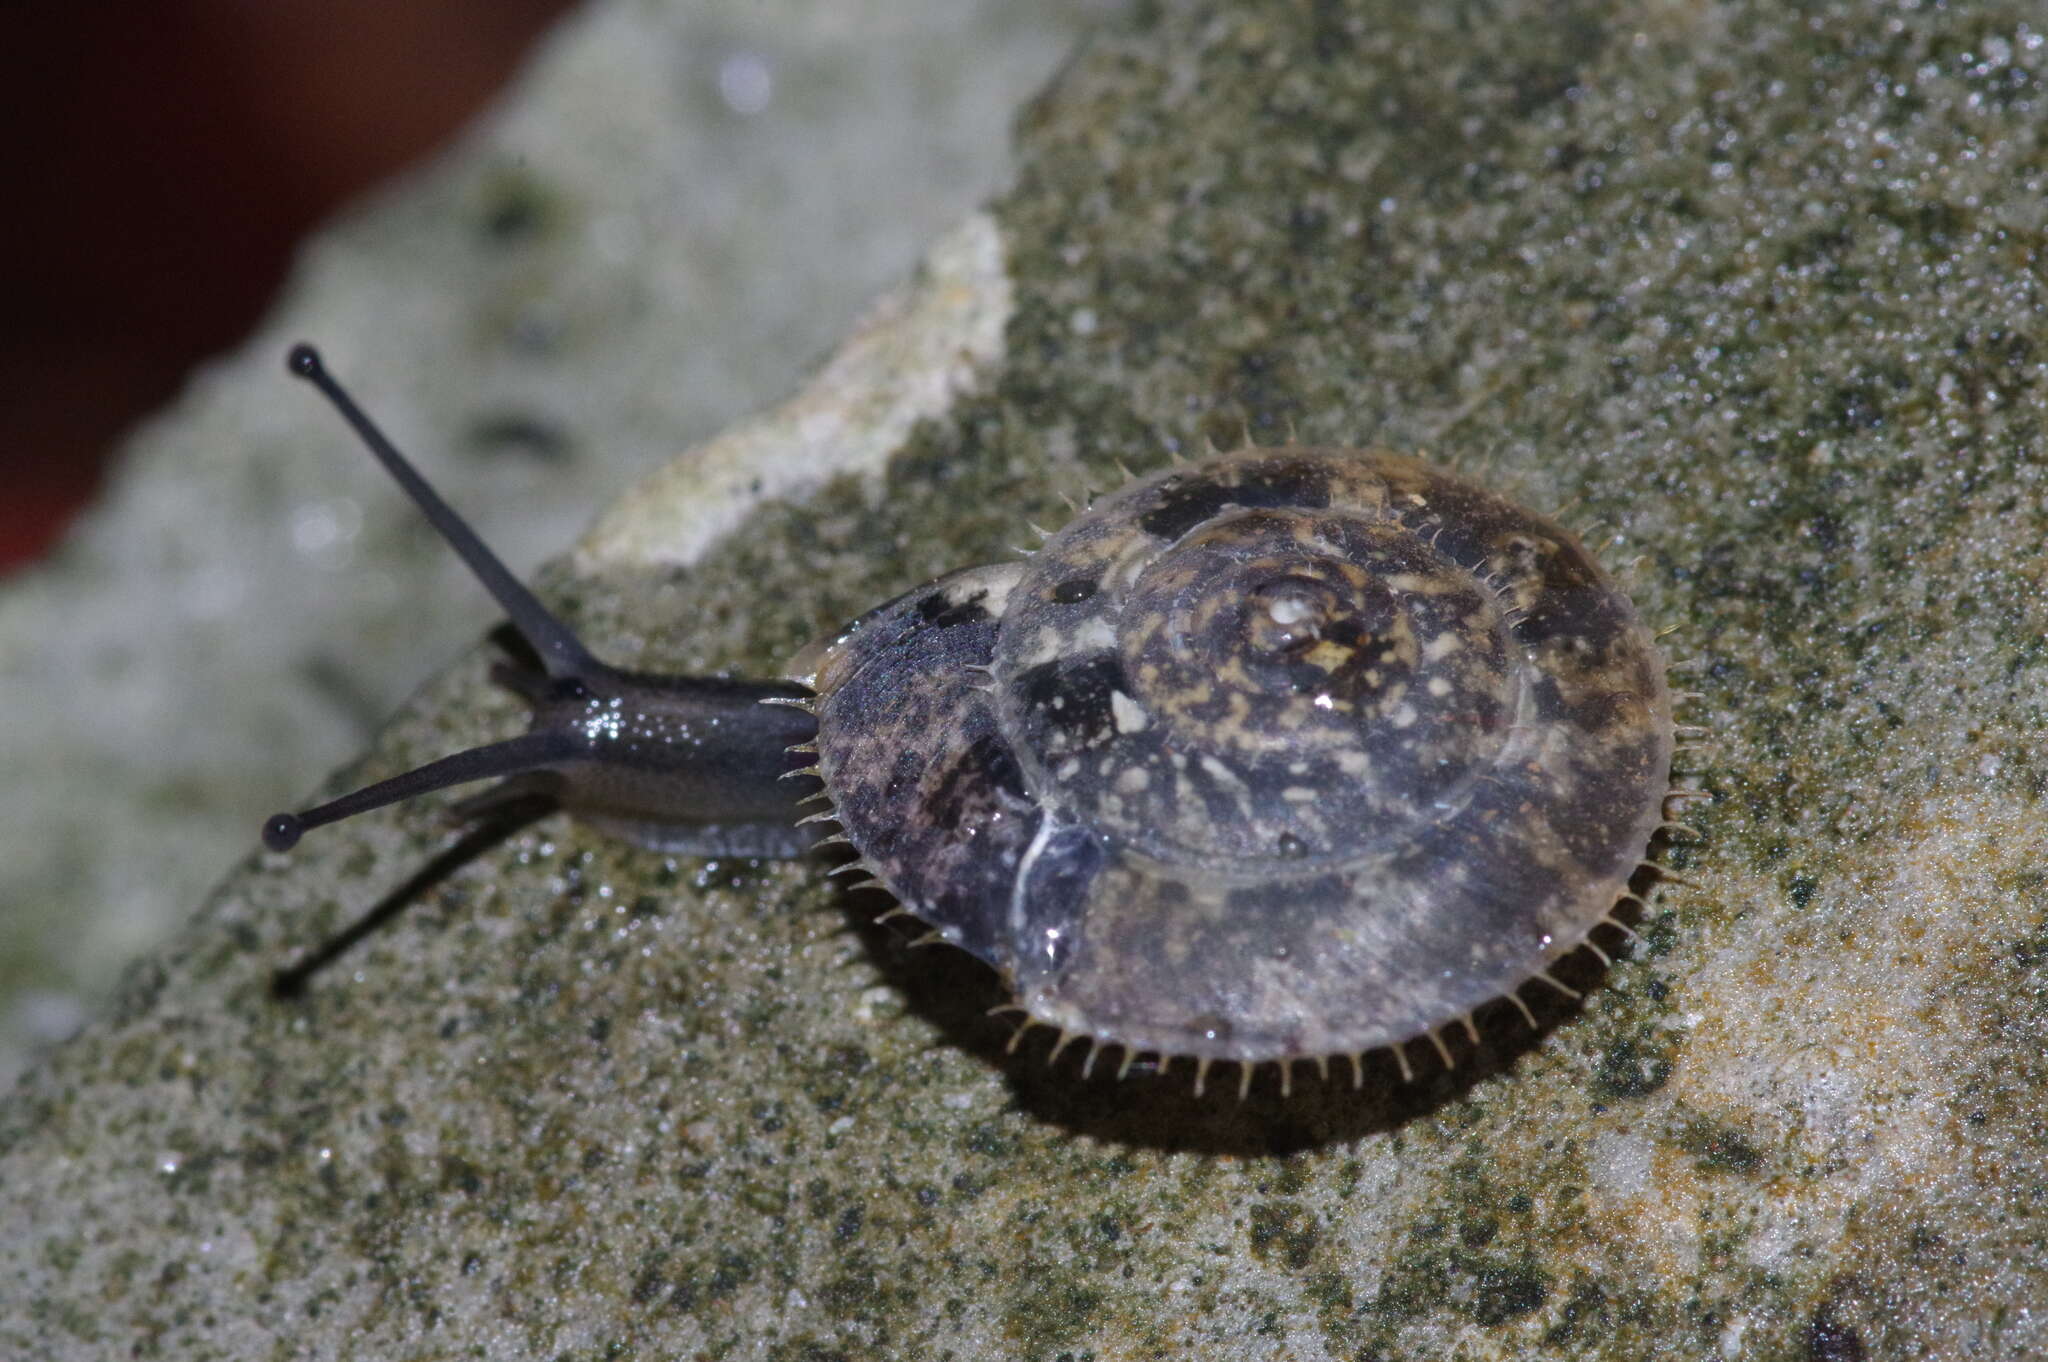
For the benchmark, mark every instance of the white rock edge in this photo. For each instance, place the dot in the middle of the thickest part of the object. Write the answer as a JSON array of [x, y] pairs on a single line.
[[916, 350]]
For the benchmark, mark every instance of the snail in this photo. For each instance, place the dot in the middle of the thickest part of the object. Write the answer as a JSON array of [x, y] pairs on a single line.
[[1276, 755]]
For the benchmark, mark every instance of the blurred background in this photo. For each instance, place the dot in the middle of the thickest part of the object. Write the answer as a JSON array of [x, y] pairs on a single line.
[[552, 245], [165, 157]]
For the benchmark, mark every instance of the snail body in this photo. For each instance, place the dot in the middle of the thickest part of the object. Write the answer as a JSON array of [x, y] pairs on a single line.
[[1274, 755]]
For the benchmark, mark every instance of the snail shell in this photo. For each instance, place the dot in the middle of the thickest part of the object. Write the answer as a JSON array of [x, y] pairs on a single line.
[[1281, 754]]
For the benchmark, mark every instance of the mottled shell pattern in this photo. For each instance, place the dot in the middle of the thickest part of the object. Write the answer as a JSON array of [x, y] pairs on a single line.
[[1282, 754]]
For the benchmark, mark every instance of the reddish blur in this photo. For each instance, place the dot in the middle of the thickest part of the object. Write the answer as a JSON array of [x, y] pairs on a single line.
[[163, 157]]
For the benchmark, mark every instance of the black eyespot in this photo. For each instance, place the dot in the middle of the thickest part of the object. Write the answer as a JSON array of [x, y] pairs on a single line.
[[1074, 590]]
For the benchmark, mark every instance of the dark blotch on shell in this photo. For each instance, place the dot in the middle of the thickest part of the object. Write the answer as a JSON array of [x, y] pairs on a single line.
[[1187, 498], [941, 612], [1072, 698]]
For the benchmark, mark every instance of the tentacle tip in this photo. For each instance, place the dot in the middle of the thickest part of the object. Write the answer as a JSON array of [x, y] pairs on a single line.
[[303, 361], [281, 831]]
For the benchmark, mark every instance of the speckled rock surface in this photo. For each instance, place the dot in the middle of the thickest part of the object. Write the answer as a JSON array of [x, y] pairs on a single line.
[[680, 207], [1759, 286]]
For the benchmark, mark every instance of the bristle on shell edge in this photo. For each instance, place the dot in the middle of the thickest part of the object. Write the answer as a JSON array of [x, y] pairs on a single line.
[[1456, 1040]]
